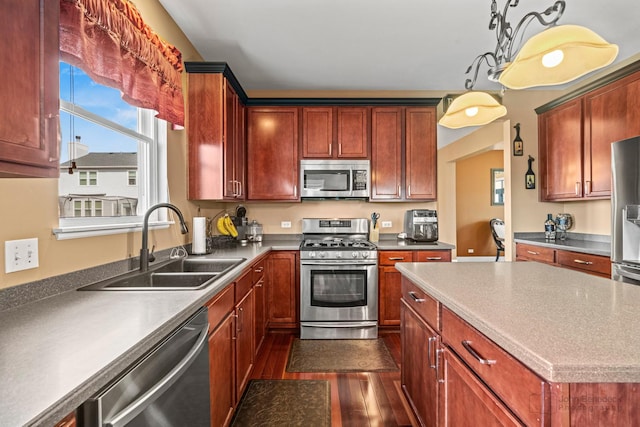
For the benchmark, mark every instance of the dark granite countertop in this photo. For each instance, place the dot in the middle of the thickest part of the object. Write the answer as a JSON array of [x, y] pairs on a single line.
[[594, 244]]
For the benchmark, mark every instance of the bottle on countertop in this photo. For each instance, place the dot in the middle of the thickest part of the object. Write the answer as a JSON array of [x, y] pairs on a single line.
[[550, 228]]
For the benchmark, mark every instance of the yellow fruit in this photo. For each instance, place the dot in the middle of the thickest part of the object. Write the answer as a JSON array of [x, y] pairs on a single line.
[[220, 225], [230, 227]]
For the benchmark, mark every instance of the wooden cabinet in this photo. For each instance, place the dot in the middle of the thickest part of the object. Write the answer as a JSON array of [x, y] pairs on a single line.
[[68, 421], [597, 265], [335, 132], [389, 280], [386, 153], [560, 152], [403, 153], [216, 139], [282, 292], [420, 153], [29, 86], [611, 114], [505, 376], [419, 343], [272, 153], [574, 140], [245, 354], [464, 394], [259, 296], [222, 357]]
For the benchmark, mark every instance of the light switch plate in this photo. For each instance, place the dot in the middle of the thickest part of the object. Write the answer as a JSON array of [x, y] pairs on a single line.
[[20, 255], [285, 224], [387, 224]]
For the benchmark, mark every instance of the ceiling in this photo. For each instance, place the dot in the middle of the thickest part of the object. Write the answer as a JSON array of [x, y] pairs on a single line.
[[382, 45]]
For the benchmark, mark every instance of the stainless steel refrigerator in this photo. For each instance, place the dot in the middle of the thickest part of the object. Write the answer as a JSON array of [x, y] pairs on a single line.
[[625, 210]]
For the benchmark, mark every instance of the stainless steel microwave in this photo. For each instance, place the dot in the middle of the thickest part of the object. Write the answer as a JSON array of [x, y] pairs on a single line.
[[335, 179]]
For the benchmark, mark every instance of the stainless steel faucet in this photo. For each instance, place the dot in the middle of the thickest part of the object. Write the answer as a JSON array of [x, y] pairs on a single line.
[[144, 252]]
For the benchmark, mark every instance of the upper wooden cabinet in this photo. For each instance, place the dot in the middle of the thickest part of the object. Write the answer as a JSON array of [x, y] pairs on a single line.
[[272, 153], [30, 90], [216, 139], [575, 139], [335, 132], [403, 153]]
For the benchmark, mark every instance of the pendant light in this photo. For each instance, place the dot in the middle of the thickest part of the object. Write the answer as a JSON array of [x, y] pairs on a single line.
[[472, 109], [558, 55]]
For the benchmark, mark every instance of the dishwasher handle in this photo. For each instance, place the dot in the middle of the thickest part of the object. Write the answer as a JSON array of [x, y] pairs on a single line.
[[135, 408]]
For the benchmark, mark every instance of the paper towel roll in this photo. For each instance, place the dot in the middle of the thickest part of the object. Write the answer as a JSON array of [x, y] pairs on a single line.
[[199, 245]]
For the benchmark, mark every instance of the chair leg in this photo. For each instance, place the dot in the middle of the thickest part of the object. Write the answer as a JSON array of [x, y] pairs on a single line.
[[497, 255]]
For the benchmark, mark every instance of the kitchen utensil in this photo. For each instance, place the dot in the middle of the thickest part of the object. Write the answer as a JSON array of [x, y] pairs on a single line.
[[374, 219]]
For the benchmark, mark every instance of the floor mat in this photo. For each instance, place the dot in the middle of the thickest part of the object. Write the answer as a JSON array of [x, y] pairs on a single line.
[[340, 356], [285, 403]]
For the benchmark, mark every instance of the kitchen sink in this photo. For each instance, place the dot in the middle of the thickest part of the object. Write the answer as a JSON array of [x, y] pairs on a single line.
[[179, 274]]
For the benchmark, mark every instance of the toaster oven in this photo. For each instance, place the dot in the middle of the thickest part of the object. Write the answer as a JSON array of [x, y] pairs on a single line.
[[421, 225]]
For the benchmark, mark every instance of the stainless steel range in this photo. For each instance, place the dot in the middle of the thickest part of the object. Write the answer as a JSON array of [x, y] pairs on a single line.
[[338, 280]]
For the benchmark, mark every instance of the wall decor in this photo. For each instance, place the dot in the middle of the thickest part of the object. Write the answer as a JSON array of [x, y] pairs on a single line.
[[530, 177], [518, 143]]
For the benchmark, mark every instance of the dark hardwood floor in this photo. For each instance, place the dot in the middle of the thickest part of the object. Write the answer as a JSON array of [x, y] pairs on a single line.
[[357, 399]]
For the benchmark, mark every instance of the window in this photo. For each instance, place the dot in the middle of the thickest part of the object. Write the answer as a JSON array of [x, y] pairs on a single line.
[[113, 159], [88, 177]]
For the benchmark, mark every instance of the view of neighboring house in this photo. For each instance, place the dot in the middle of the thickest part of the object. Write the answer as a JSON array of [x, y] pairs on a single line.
[[102, 184]]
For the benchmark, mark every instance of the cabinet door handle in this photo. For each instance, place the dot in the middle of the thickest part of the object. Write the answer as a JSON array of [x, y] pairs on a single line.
[[434, 258], [415, 297], [429, 352], [587, 187], [577, 188], [467, 345], [439, 379], [330, 149], [399, 190], [533, 253], [396, 258], [240, 325], [259, 270], [295, 191], [579, 261], [340, 149], [239, 188], [409, 191]]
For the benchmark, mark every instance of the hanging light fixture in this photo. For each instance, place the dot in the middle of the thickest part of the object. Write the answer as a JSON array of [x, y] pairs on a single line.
[[472, 109], [557, 55]]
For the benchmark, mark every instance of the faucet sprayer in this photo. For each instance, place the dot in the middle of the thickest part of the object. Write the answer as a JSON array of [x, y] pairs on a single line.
[[144, 251]]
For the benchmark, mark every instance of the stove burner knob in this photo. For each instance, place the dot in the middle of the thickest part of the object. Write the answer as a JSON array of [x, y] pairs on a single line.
[[365, 254], [354, 254], [338, 255], [322, 254], [312, 254]]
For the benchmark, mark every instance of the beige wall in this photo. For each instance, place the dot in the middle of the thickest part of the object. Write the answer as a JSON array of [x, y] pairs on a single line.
[[473, 203]]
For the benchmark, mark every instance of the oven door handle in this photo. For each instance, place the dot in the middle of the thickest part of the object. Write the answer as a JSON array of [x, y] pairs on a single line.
[[334, 263], [360, 324]]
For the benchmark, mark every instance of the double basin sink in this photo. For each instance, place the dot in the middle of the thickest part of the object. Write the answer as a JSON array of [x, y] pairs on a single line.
[[176, 274]]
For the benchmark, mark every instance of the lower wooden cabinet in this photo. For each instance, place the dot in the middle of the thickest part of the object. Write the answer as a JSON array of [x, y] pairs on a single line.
[[389, 291], [222, 356], [466, 401], [244, 342], [260, 307], [597, 265], [282, 291], [419, 374], [68, 421]]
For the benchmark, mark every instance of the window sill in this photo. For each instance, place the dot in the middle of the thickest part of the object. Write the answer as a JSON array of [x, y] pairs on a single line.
[[81, 231]]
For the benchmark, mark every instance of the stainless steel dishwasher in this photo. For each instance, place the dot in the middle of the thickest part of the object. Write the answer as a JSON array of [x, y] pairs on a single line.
[[169, 386]]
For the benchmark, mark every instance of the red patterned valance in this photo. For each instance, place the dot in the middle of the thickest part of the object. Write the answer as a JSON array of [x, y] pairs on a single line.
[[109, 41]]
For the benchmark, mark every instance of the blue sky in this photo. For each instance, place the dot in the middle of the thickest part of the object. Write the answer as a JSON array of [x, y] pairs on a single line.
[[98, 99]]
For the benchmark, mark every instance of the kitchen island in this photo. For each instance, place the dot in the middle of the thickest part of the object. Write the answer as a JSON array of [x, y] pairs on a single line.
[[577, 335]]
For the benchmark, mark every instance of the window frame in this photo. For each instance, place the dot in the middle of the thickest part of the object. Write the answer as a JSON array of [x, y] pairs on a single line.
[[152, 188]]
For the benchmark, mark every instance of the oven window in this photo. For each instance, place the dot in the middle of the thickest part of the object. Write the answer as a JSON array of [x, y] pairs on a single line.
[[335, 180], [339, 288]]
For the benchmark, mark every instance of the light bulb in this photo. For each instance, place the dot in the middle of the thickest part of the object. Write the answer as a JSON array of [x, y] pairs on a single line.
[[553, 58], [471, 111]]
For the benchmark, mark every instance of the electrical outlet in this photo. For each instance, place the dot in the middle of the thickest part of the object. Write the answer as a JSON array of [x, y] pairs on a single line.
[[285, 224], [469, 251], [387, 224], [20, 255]]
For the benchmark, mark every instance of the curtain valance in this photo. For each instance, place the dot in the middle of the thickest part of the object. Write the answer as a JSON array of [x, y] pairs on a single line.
[[109, 41]]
